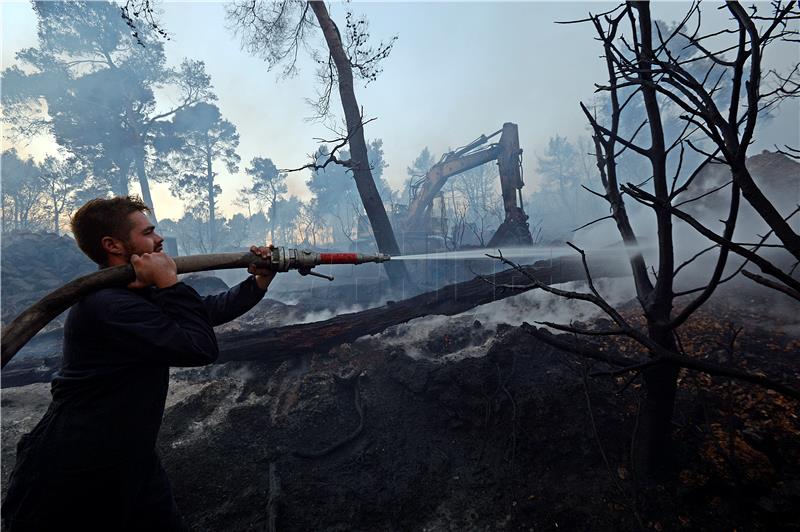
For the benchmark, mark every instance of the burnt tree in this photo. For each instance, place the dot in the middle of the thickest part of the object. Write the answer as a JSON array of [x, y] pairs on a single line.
[[728, 125], [650, 75], [359, 163], [275, 30]]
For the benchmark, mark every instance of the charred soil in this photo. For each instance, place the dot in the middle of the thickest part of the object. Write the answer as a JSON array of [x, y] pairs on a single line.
[[513, 437]]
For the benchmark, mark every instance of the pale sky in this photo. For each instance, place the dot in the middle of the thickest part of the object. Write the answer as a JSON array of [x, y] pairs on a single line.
[[457, 70]]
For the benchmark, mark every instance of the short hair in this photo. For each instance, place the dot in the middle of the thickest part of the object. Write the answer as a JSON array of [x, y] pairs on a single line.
[[103, 217]]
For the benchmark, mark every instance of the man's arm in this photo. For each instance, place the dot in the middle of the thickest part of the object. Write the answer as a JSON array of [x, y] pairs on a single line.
[[229, 305], [171, 329]]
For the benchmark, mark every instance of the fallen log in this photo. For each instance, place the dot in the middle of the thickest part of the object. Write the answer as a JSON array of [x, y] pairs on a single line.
[[295, 340]]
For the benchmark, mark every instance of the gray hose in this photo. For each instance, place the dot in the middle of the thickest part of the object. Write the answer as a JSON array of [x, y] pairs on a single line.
[[25, 326]]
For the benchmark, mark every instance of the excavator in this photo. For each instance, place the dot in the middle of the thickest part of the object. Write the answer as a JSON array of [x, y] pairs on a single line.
[[418, 220]]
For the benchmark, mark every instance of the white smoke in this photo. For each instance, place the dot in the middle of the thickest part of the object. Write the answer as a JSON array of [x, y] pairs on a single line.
[[415, 337]]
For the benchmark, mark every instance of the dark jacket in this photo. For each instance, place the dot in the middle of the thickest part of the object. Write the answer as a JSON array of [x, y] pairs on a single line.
[[91, 460]]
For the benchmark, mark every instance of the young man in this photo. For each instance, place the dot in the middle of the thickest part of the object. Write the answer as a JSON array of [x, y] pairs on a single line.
[[90, 463]]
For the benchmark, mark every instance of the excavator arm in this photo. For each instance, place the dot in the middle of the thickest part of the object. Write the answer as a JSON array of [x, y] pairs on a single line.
[[438, 175], [514, 229], [507, 153]]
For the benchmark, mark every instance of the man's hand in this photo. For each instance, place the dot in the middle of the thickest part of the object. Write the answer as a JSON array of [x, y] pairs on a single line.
[[154, 269], [264, 276]]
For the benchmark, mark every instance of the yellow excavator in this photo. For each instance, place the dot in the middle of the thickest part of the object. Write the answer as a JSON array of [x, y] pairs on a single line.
[[417, 220]]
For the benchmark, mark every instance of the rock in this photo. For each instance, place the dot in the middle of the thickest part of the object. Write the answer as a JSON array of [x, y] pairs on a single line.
[[34, 264]]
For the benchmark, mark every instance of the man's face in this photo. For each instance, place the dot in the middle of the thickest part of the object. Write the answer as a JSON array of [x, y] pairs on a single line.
[[142, 237]]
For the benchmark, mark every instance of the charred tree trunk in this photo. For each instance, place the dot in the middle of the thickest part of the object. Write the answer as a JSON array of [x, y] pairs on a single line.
[[381, 228], [653, 449], [652, 452], [297, 340]]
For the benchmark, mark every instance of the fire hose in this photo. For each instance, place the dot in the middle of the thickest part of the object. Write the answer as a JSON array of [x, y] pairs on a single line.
[[25, 326]]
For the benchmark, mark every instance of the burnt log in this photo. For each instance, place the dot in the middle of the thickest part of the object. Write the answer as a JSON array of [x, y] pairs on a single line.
[[301, 339]]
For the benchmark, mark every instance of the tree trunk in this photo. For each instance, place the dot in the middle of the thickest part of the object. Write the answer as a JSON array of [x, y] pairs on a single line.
[[653, 446], [120, 184], [144, 184], [381, 228], [119, 179], [212, 222], [272, 213], [56, 216]]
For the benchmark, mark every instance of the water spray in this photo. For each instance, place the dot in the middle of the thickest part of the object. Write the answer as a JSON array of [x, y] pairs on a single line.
[[515, 253], [303, 260]]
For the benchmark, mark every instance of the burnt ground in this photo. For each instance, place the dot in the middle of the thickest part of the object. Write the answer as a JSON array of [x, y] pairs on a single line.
[[487, 430]]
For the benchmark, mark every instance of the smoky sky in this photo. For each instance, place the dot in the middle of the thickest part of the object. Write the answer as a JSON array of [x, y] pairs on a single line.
[[457, 70]]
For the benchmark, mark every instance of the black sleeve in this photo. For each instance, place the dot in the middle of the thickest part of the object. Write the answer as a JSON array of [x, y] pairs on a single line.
[[229, 305], [172, 329]]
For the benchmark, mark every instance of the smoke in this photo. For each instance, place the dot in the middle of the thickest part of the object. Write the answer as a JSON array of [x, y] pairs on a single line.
[[536, 305], [440, 338], [470, 334], [779, 178]]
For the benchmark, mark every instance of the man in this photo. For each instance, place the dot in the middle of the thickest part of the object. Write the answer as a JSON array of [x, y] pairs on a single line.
[[90, 463]]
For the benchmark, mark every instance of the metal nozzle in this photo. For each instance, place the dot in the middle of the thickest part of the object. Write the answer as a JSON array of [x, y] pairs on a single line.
[[285, 259]]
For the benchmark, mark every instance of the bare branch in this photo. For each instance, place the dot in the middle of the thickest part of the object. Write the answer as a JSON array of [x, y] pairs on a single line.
[[599, 195], [772, 284], [788, 151], [693, 258], [332, 158], [609, 217], [696, 172], [708, 193], [585, 332], [766, 266]]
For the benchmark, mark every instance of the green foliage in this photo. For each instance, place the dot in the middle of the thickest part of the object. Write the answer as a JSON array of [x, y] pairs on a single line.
[[91, 85], [269, 184], [192, 232], [194, 140], [21, 191], [37, 196], [288, 220], [61, 183]]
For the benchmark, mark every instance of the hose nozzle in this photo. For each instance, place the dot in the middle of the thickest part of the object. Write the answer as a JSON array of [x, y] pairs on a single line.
[[285, 259]]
